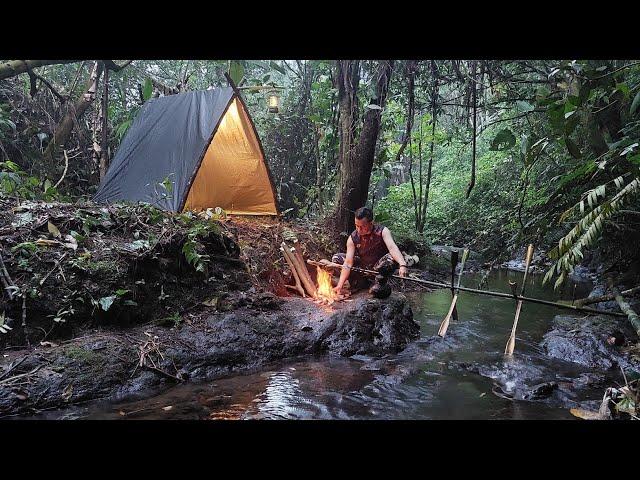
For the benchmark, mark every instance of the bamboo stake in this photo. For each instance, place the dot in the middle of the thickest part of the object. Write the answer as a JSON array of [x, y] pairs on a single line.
[[454, 263], [297, 286], [328, 264], [511, 343], [445, 323]]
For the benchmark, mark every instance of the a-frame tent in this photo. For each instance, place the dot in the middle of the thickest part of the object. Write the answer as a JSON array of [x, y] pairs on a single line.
[[192, 151]]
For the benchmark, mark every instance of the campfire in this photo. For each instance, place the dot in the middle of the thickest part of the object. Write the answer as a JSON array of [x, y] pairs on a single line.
[[323, 292]]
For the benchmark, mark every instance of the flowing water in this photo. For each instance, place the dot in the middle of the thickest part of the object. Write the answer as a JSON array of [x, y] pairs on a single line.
[[415, 384]]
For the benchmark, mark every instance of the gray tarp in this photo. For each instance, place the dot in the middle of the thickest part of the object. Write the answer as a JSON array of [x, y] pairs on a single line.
[[167, 139]]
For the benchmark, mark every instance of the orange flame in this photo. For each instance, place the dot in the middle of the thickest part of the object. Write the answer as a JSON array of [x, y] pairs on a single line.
[[325, 289]]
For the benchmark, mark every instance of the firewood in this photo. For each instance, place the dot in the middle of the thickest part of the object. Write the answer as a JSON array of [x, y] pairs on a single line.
[[306, 282], [294, 273], [305, 272]]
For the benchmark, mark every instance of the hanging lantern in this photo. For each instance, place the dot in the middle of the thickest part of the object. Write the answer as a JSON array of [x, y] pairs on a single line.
[[273, 101]]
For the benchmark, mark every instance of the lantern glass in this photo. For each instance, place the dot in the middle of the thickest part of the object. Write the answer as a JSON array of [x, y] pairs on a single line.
[[274, 102]]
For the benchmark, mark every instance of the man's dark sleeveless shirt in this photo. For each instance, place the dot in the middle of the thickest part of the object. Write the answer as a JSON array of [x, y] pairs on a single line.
[[370, 248]]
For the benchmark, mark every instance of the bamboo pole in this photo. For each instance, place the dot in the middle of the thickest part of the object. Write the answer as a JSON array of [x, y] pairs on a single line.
[[454, 263], [605, 298], [511, 343], [328, 264], [294, 273], [633, 317], [445, 322]]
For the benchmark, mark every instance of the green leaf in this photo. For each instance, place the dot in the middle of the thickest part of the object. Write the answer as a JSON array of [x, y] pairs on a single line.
[[624, 89], [53, 230], [106, 302], [277, 67], [236, 72], [504, 140], [573, 148], [121, 291], [635, 103], [147, 90], [524, 106]]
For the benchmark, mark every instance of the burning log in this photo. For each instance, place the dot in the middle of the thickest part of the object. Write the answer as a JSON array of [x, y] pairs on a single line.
[[294, 273]]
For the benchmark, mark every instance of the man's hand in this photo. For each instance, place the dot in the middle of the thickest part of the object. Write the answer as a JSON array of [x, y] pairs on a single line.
[[403, 270], [338, 289]]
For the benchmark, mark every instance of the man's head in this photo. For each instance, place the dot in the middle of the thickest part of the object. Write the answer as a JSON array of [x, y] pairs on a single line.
[[364, 221]]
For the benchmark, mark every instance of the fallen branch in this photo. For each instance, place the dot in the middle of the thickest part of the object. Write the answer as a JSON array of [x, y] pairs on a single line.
[[605, 298], [625, 307], [66, 165], [7, 283]]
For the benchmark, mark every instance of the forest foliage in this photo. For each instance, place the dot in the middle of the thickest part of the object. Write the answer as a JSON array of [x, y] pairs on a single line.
[[485, 154]]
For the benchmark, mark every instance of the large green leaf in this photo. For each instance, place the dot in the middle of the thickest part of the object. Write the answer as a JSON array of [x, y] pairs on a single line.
[[147, 90], [106, 302], [635, 103], [504, 140], [236, 72]]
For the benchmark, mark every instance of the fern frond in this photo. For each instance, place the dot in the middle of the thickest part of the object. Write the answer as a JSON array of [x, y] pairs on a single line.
[[587, 230]]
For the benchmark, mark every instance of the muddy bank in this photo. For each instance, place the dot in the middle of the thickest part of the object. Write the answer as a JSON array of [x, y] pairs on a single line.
[[122, 364]]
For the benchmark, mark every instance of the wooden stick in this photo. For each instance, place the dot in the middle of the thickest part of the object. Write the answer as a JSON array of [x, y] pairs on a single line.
[[294, 273], [428, 283], [454, 263], [445, 322], [511, 343]]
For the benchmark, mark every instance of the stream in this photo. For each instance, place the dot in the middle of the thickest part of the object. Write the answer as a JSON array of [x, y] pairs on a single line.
[[422, 382]]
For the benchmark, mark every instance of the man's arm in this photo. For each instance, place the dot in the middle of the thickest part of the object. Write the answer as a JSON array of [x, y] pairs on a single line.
[[346, 267], [394, 251]]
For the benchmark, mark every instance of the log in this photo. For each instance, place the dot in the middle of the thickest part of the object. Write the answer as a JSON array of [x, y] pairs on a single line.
[[297, 286], [305, 272], [605, 298], [308, 285], [625, 307]]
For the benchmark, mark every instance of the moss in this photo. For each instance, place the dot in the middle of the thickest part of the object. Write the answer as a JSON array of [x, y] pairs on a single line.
[[87, 356]]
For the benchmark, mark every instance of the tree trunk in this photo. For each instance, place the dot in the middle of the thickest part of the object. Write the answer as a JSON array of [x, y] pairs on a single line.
[[411, 68], [104, 147], [434, 117], [472, 182], [64, 128], [16, 67], [356, 159]]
